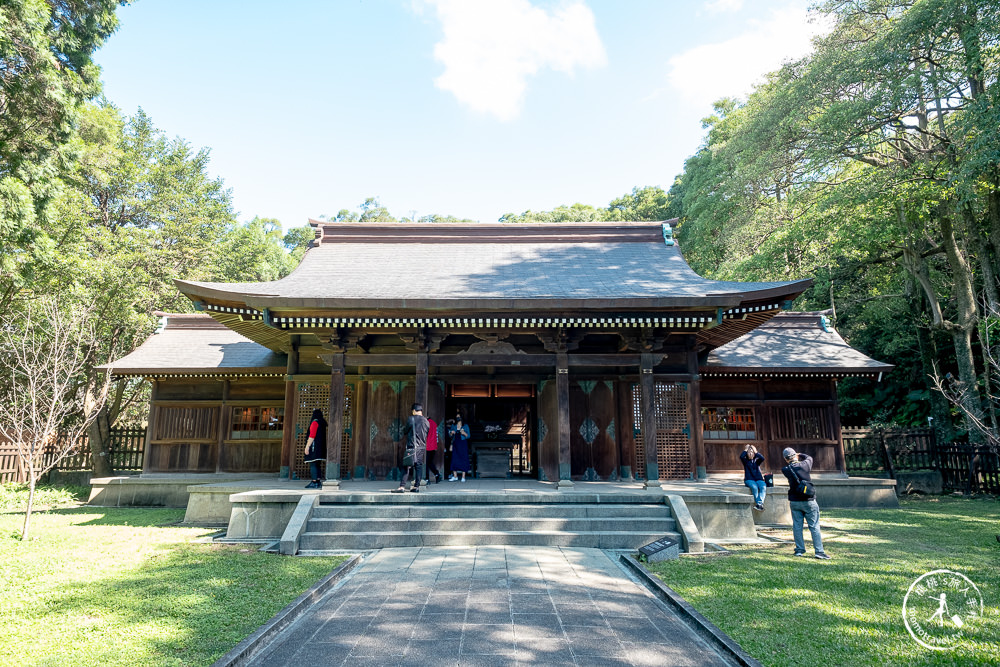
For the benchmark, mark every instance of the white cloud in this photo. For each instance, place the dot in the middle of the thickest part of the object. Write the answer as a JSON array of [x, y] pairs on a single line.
[[490, 49], [722, 6], [708, 72]]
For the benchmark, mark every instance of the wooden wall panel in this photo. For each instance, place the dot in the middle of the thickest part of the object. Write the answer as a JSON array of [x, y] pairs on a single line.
[[251, 456], [593, 449], [548, 438], [388, 408]]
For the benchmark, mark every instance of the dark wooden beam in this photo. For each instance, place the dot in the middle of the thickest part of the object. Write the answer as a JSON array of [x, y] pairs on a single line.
[[421, 379], [335, 432], [288, 428], [647, 387], [562, 406]]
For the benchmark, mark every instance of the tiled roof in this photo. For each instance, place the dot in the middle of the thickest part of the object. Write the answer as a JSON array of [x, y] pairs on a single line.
[[197, 345], [500, 266], [789, 343]]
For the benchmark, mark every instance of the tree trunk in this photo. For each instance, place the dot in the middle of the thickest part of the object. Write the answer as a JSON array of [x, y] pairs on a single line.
[[99, 434], [965, 302], [31, 502]]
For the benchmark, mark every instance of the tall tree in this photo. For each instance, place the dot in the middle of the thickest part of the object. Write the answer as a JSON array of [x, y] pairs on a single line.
[[46, 74]]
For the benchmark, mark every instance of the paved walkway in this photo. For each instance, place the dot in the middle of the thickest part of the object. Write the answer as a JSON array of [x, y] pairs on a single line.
[[489, 606]]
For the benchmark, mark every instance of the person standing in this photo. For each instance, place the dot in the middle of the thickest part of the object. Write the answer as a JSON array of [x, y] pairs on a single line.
[[460, 462], [801, 502], [432, 445], [416, 431], [315, 450], [752, 477]]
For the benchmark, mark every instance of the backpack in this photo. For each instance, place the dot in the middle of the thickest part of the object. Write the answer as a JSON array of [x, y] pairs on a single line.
[[803, 486]]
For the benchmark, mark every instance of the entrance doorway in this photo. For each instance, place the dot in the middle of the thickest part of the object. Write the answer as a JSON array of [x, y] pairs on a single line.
[[501, 420]]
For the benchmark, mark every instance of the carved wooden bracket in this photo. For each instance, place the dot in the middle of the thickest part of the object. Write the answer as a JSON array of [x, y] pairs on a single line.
[[647, 340], [343, 341], [423, 341], [560, 340]]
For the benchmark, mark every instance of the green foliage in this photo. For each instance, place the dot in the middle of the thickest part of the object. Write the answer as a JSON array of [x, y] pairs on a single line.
[[642, 204], [870, 165]]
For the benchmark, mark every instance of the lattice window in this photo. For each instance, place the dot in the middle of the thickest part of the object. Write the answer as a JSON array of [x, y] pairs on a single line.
[[728, 424], [259, 423], [801, 423], [673, 433], [312, 396]]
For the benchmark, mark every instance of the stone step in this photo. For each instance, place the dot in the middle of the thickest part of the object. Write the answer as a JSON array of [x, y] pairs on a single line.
[[505, 523], [319, 542], [436, 495], [477, 510]]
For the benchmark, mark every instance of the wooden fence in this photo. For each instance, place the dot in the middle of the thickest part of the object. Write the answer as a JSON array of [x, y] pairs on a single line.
[[126, 454], [884, 451], [969, 469]]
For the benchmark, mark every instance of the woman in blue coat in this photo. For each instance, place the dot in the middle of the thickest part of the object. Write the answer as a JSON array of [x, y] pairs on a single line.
[[460, 462]]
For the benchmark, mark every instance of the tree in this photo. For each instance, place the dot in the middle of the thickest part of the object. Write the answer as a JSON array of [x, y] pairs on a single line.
[[46, 73], [869, 164], [49, 392]]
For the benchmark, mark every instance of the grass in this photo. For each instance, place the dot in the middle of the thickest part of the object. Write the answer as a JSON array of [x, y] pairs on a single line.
[[103, 586], [848, 611]]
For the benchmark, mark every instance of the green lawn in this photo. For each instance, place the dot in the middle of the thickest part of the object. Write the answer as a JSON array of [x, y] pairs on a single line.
[[848, 611], [102, 586]]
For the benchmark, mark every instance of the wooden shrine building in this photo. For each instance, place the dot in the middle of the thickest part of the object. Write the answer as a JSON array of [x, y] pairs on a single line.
[[584, 351]]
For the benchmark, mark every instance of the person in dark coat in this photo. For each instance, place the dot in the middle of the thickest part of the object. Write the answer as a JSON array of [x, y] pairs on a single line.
[[752, 477], [798, 467], [315, 450], [460, 462], [416, 431]]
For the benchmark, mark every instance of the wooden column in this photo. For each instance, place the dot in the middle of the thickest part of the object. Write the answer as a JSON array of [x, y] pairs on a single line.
[[150, 427], [835, 417], [647, 388], [421, 380], [562, 418], [335, 432], [225, 416], [626, 430], [288, 427], [694, 406]]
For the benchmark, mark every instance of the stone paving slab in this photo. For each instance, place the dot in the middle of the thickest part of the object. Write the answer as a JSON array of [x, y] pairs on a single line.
[[489, 605]]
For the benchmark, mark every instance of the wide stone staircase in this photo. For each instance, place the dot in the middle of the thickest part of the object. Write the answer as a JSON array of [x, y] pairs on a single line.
[[374, 521]]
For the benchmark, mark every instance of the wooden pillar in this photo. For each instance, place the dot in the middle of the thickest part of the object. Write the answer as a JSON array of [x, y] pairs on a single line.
[[626, 430], [225, 417], [421, 381], [694, 406], [288, 427], [362, 436], [335, 432], [150, 427], [562, 418], [838, 433], [647, 388]]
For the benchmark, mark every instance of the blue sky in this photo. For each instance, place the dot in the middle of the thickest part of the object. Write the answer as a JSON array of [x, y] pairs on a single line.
[[455, 107]]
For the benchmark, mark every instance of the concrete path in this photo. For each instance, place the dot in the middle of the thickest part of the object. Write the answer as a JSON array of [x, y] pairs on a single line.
[[489, 606]]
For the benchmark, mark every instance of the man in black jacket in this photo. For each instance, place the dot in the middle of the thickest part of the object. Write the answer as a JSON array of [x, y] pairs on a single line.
[[415, 436], [803, 505]]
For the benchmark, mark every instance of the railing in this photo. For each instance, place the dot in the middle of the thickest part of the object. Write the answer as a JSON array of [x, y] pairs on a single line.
[[126, 454]]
